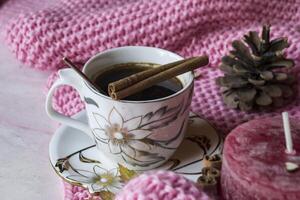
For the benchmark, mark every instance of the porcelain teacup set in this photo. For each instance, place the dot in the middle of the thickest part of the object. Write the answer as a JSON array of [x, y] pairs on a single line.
[[139, 135]]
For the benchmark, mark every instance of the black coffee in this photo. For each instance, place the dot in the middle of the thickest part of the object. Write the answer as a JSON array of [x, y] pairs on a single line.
[[119, 71]]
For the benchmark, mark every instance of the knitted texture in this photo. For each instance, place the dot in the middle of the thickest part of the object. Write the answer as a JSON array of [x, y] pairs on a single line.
[[82, 28], [78, 193], [161, 185], [66, 100]]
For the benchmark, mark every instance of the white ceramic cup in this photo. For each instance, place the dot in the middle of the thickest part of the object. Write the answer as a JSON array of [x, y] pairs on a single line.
[[140, 135]]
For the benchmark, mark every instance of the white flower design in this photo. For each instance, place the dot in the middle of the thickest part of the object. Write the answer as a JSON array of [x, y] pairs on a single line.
[[120, 135], [100, 179]]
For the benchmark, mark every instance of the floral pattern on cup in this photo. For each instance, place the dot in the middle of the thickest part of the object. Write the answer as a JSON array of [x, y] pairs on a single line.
[[122, 137], [130, 138]]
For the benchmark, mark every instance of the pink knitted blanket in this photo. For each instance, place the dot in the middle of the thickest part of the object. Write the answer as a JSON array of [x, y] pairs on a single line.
[[81, 28]]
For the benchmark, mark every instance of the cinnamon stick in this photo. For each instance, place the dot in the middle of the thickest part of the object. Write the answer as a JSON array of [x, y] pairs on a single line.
[[208, 185], [130, 80], [207, 181], [186, 66], [211, 171], [80, 73], [214, 161]]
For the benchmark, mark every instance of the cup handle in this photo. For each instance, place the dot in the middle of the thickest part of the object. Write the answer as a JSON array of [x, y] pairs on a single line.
[[67, 77]]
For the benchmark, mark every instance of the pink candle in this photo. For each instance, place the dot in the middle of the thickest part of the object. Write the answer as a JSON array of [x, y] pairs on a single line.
[[254, 162]]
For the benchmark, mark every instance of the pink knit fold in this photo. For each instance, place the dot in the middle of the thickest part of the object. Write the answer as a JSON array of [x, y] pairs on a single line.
[[161, 185], [82, 28]]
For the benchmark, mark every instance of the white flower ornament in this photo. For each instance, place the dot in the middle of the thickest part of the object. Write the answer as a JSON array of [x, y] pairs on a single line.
[[120, 135], [100, 179]]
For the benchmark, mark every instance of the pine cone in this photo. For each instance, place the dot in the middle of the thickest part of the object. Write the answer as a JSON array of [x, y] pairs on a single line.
[[254, 72]]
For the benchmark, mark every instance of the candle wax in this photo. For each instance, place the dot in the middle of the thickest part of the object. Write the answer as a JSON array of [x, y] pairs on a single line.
[[254, 160]]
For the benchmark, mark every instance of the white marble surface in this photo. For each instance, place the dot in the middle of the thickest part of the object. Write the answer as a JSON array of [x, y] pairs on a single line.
[[25, 131]]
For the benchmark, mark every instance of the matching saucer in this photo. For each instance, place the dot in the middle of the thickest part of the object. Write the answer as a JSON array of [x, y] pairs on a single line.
[[75, 158]]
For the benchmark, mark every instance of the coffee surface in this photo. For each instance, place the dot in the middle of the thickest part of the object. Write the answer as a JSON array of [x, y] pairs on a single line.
[[119, 71]]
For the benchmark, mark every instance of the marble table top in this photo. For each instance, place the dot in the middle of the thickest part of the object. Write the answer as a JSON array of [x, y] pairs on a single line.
[[25, 131]]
